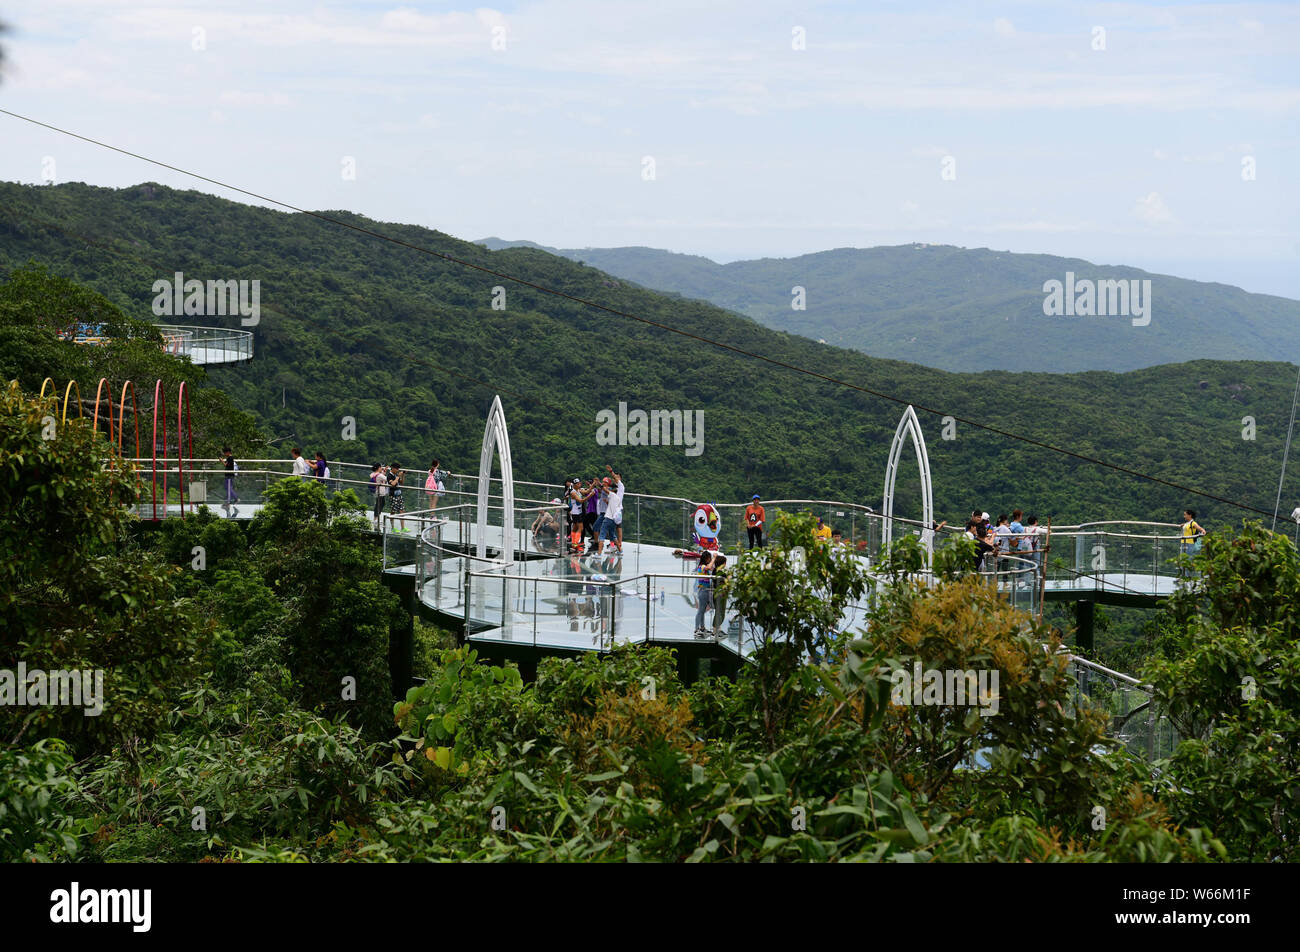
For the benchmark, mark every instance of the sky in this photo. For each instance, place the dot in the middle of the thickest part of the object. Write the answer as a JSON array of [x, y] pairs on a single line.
[[1161, 136]]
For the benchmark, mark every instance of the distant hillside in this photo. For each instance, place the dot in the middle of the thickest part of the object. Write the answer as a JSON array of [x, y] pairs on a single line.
[[411, 349], [966, 309]]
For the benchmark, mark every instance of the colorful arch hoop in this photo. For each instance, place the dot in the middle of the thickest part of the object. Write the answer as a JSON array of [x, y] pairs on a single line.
[[159, 412], [100, 390], [67, 394]]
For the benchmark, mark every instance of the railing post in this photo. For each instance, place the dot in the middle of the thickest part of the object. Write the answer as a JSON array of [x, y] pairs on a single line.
[[465, 564]]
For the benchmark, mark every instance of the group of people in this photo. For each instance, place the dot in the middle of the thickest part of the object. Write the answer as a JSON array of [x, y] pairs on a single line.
[[313, 469], [387, 483], [1013, 536], [593, 515]]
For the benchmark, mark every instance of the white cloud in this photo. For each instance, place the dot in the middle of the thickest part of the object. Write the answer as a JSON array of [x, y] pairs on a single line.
[[1152, 210], [1004, 27]]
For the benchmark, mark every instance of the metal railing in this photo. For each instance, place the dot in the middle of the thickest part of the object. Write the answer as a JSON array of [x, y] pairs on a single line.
[[1134, 720]]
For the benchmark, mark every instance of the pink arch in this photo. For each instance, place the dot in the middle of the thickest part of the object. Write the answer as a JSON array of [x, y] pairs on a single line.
[[183, 429], [159, 413]]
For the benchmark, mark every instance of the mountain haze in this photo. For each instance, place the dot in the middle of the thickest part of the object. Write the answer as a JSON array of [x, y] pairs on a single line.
[[965, 308]]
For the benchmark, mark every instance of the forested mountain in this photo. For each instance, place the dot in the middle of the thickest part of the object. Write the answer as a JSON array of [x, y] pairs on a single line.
[[967, 308], [411, 347]]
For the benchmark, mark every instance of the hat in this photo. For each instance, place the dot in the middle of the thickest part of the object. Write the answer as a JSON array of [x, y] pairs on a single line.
[[755, 495], [984, 515]]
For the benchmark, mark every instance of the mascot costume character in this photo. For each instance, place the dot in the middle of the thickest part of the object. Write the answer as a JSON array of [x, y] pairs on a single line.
[[706, 526]]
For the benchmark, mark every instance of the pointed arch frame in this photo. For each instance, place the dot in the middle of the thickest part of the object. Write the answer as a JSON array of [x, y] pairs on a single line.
[[909, 426], [496, 439]]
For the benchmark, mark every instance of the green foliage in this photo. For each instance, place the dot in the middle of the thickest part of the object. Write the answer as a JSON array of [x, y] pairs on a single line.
[[1227, 673], [1037, 752], [75, 594], [229, 773], [436, 717], [34, 789]]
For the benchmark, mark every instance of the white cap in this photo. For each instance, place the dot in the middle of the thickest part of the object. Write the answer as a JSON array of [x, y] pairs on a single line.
[[984, 515]]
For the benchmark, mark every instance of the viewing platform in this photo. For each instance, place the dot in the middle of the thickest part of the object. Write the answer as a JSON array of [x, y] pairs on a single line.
[[202, 345]]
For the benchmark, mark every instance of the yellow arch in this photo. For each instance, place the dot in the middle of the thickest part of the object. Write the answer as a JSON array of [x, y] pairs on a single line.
[[67, 392], [54, 390]]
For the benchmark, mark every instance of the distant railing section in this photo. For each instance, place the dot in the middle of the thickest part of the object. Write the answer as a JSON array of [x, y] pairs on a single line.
[[1116, 556], [207, 345]]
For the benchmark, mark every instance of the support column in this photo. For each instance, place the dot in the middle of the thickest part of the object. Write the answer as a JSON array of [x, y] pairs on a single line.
[[1084, 616]]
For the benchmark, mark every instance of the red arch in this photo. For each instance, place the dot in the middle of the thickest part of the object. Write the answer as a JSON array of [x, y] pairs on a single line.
[[159, 412]]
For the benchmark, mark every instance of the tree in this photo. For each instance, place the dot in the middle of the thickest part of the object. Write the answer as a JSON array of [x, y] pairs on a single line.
[[794, 593], [1227, 673], [75, 594]]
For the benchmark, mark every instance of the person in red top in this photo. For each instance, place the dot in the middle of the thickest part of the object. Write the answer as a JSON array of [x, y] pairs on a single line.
[[754, 519]]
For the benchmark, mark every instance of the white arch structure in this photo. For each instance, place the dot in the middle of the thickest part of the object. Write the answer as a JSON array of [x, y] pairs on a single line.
[[496, 439], [909, 425]]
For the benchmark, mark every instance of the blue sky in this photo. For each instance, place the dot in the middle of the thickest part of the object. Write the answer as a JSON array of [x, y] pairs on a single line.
[[1131, 154]]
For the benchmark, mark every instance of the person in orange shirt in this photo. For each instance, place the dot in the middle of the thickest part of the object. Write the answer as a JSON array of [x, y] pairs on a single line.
[[755, 517]]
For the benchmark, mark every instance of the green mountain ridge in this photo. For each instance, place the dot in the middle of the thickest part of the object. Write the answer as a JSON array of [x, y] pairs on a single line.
[[961, 309], [410, 346]]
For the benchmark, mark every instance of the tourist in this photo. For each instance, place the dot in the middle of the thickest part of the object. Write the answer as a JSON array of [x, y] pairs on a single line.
[[984, 547], [395, 503], [602, 507], [703, 591], [573, 494], [719, 593], [822, 532], [546, 531], [380, 478], [432, 486], [755, 518], [435, 483], [300, 466], [612, 528], [1191, 541], [1037, 536], [228, 458], [590, 499], [321, 468], [1020, 541]]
